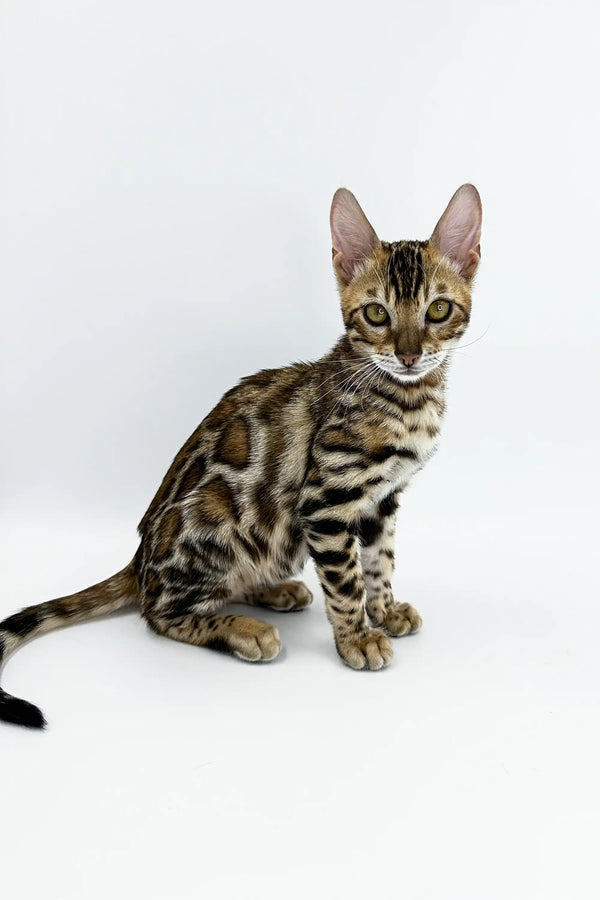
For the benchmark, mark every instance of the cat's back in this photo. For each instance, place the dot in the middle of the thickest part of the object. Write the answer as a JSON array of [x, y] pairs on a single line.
[[256, 438]]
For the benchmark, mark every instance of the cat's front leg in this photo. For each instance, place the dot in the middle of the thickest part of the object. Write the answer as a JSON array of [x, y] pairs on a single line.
[[377, 538], [335, 549]]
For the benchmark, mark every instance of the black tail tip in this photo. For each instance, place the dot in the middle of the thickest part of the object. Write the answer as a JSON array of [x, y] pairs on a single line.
[[20, 712]]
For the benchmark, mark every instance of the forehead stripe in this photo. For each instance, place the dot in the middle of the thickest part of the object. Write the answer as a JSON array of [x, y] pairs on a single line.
[[405, 269]]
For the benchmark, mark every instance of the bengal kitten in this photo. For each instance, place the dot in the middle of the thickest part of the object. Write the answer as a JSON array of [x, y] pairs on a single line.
[[306, 460]]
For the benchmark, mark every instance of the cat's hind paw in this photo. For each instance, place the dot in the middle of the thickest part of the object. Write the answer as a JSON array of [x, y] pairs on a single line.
[[253, 641], [289, 596]]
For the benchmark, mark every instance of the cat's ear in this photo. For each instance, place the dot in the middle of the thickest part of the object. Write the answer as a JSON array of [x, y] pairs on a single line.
[[353, 238], [458, 232]]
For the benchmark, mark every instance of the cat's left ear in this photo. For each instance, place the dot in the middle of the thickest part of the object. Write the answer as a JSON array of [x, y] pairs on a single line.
[[458, 233], [353, 238]]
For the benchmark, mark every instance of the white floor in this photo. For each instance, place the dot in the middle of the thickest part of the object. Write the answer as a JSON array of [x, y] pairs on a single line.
[[468, 769]]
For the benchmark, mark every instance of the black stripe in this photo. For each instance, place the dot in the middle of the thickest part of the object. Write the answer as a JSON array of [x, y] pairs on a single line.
[[389, 451], [405, 269], [182, 605], [190, 478], [331, 497], [419, 275], [332, 576], [338, 496], [337, 609], [382, 454], [250, 547], [297, 532], [388, 505], [369, 529], [210, 553], [328, 526], [347, 588], [259, 540], [207, 544], [403, 403], [186, 579], [179, 607], [153, 586], [345, 467], [392, 272], [22, 623], [394, 399], [329, 557], [311, 506], [406, 453]]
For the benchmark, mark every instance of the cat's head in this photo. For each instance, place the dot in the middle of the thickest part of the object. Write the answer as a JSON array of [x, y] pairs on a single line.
[[406, 304]]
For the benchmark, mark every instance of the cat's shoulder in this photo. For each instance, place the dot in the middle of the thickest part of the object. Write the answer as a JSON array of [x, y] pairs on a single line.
[[266, 378]]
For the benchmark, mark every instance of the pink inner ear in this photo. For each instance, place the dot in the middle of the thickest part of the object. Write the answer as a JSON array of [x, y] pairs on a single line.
[[352, 235], [458, 233]]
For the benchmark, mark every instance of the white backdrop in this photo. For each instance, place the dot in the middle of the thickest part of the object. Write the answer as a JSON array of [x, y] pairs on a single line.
[[166, 170]]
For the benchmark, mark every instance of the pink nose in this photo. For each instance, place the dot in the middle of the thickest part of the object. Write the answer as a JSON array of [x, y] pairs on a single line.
[[409, 359]]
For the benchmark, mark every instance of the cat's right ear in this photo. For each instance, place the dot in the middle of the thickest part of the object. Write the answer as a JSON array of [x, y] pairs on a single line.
[[353, 238], [458, 233]]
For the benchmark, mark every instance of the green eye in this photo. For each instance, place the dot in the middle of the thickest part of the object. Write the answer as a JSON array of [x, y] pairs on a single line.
[[376, 314], [438, 311]]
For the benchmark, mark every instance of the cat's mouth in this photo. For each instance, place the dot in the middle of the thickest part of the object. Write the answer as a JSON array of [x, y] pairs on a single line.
[[406, 374]]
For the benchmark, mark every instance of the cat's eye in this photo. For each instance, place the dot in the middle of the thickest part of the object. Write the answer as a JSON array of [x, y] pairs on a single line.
[[438, 311], [376, 314]]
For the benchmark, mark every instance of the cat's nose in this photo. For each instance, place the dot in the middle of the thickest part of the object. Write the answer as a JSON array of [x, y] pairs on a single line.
[[409, 359]]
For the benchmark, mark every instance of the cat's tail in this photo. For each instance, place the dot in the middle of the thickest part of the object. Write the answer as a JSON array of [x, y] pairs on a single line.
[[107, 597]]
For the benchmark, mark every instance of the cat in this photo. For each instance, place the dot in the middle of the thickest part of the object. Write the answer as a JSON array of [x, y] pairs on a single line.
[[304, 461]]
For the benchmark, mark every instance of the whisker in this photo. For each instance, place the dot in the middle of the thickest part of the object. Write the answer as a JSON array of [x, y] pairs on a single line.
[[470, 344], [354, 380], [353, 369], [360, 381], [376, 372]]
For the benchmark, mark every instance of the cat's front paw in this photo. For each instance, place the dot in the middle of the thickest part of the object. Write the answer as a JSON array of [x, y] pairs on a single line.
[[370, 649], [396, 618]]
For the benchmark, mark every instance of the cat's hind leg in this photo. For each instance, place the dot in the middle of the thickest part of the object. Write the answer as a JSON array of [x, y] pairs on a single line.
[[288, 596], [247, 638]]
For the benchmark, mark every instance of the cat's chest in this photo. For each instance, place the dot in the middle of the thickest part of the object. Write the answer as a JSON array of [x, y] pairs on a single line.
[[409, 457], [413, 439]]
